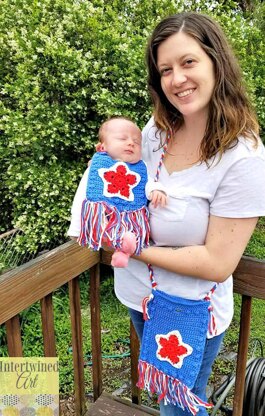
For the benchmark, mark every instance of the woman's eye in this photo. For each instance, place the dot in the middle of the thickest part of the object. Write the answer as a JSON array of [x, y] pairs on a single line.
[[189, 61], [164, 71]]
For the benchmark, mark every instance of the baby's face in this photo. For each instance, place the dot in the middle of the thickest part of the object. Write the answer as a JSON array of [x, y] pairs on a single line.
[[122, 140]]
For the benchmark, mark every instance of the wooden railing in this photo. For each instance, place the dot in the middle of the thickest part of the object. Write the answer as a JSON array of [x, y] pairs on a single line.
[[38, 279]]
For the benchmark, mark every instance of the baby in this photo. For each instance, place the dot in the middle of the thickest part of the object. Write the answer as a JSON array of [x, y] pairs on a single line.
[[114, 211]]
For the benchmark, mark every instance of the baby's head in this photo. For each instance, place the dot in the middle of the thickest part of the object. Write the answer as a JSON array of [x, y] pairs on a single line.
[[121, 139]]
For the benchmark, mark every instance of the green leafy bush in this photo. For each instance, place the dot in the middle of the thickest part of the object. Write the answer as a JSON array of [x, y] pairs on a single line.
[[65, 66]]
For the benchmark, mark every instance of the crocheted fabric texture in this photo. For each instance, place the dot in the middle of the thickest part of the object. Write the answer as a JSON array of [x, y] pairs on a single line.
[[172, 348], [115, 203], [117, 183]]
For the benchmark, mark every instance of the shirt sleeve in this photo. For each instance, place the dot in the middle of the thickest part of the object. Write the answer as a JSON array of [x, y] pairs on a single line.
[[241, 193], [152, 185], [80, 195]]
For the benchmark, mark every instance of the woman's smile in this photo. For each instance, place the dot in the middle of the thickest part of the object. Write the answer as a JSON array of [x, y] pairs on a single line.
[[185, 93]]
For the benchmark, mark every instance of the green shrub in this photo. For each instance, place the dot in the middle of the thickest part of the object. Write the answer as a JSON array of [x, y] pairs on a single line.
[[65, 66]]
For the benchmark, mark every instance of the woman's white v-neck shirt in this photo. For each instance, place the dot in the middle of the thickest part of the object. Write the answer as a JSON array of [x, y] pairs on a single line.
[[233, 187]]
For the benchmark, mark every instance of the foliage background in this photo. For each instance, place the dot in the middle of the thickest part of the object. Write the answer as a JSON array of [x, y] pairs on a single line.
[[65, 66]]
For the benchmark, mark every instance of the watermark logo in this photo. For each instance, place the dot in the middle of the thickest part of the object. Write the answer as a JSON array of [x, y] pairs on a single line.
[[29, 386]]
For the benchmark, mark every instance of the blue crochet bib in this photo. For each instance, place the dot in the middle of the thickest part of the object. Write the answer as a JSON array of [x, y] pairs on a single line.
[[175, 343], [172, 348], [115, 203], [117, 183]]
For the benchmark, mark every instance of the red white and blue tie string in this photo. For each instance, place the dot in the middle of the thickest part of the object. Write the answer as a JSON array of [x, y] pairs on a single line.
[[162, 156], [147, 299], [159, 167], [212, 324]]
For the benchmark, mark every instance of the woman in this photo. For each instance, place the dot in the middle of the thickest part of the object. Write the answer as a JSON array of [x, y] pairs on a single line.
[[213, 171]]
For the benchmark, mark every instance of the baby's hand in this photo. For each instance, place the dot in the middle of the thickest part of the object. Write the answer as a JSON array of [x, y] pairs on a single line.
[[158, 198]]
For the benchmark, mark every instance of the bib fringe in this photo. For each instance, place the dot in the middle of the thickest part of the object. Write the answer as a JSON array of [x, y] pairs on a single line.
[[168, 389], [103, 223]]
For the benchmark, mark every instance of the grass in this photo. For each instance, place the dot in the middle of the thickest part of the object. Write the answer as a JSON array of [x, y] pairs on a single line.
[[225, 364], [256, 245]]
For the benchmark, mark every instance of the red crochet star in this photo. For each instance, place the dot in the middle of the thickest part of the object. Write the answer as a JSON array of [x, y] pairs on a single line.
[[171, 348], [119, 181]]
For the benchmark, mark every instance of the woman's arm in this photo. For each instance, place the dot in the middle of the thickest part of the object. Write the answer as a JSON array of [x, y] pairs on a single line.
[[225, 243]]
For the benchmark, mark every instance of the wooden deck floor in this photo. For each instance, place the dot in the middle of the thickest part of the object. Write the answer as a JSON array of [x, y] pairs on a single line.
[[107, 405]]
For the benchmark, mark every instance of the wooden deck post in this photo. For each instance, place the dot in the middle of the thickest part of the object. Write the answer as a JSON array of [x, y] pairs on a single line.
[[96, 330], [48, 326], [242, 355], [134, 346], [75, 311], [13, 334]]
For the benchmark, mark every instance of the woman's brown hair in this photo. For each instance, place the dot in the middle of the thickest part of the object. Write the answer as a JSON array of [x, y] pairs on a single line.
[[230, 113]]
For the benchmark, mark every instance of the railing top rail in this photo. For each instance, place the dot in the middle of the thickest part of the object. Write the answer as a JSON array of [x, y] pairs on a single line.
[[30, 282], [249, 276]]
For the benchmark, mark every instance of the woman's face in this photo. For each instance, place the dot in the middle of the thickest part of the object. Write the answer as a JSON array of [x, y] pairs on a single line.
[[187, 75]]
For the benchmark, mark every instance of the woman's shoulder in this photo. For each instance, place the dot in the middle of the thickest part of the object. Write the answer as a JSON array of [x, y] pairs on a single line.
[[250, 148], [151, 132], [152, 137], [149, 126], [244, 148]]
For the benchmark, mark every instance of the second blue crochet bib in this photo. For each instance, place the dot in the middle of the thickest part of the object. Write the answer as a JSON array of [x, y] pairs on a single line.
[[172, 349]]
